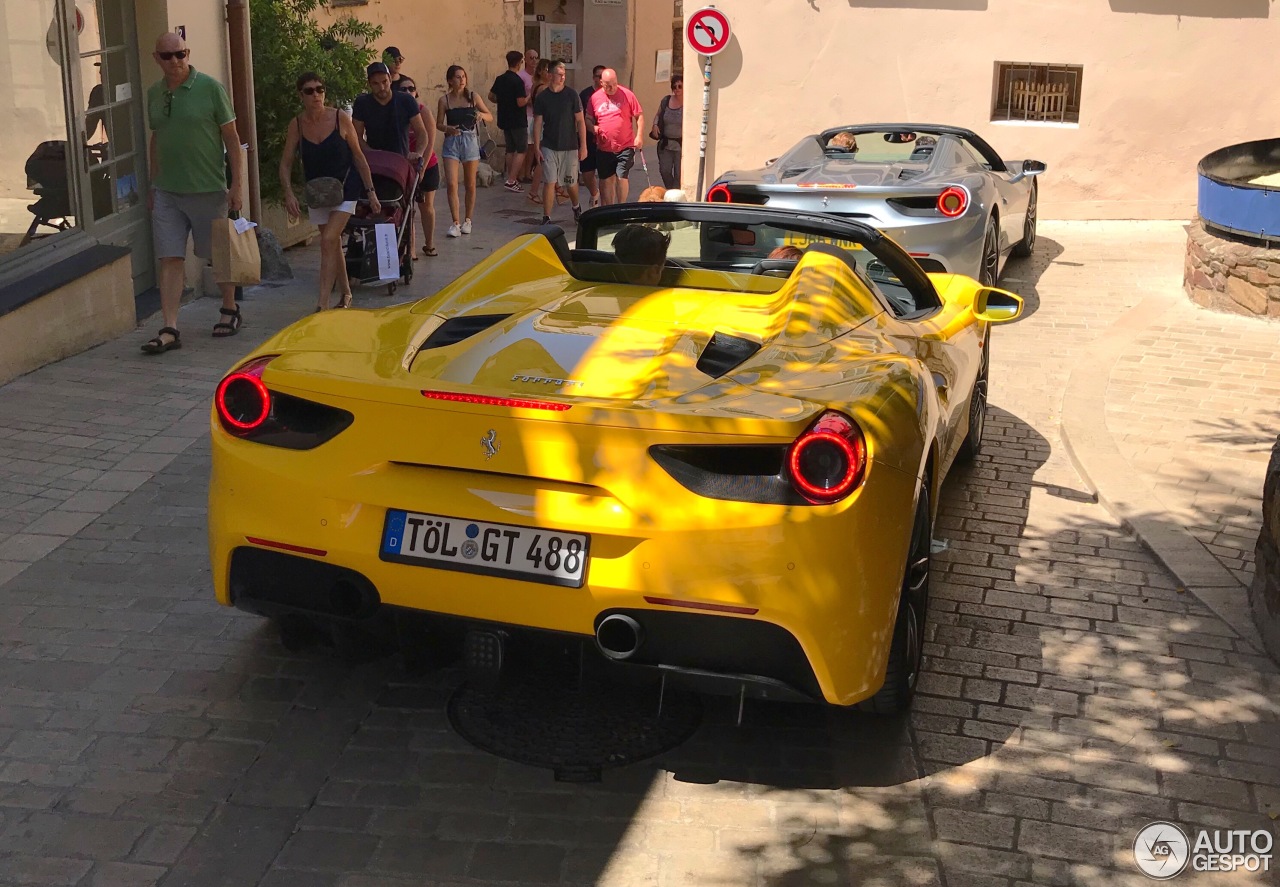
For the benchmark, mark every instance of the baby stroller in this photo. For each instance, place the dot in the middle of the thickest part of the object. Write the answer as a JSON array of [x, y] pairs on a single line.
[[395, 180], [46, 170]]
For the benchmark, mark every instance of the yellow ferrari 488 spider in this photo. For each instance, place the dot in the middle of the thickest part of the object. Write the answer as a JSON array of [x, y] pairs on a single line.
[[706, 441]]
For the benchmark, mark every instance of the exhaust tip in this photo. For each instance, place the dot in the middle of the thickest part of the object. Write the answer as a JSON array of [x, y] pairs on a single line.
[[346, 600], [619, 636]]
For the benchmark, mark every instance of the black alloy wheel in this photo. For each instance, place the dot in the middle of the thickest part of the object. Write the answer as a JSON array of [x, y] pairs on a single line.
[[1027, 244], [906, 650], [990, 270], [971, 446]]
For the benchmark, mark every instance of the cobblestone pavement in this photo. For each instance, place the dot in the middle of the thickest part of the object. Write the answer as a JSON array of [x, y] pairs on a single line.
[[1074, 690], [1196, 402]]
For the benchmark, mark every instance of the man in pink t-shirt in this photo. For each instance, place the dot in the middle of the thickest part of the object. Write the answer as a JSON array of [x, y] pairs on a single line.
[[617, 121]]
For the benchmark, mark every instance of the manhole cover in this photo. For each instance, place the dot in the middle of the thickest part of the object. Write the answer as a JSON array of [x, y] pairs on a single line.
[[547, 721]]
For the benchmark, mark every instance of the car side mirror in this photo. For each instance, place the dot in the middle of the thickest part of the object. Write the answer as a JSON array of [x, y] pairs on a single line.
[[995, 305], [771, 161], [1033, 167]]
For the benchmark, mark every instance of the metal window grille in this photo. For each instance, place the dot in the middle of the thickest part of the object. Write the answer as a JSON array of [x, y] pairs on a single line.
[[1035, 91]]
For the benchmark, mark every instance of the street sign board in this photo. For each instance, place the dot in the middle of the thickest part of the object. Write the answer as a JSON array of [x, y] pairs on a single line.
[[707, 31]]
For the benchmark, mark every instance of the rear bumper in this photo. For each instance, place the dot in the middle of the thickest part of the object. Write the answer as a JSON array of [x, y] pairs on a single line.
[[710, 653], [826, 577]]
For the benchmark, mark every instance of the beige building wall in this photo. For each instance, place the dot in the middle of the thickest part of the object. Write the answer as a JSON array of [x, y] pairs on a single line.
[[652, 33], [1165, 82], [606, 38], [206, 26], [439, 33]]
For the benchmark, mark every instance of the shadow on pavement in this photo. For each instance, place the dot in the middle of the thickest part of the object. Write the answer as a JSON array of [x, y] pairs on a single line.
[[1022, 276]]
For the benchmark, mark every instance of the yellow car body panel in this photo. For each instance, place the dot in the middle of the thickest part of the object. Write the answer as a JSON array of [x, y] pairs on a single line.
[[624, 357]]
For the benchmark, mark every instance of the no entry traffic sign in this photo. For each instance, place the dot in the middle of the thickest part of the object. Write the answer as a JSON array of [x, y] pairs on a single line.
[[707, 31]]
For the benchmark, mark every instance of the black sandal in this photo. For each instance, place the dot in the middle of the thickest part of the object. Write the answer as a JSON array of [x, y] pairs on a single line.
[[227, 328], [158, 345]]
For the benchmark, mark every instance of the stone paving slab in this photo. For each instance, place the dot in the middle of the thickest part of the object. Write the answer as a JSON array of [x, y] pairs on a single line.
[[1194, 404], [1074, 690]]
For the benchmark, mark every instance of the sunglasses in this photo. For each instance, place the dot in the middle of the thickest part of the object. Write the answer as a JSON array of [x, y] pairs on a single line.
[[313, 90], [178, 54]]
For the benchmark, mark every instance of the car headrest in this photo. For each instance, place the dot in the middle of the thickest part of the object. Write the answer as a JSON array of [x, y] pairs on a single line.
[[559, 243]]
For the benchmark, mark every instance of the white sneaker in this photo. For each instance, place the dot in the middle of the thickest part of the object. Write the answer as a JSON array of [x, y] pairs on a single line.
[[453, 230], [466, 226]]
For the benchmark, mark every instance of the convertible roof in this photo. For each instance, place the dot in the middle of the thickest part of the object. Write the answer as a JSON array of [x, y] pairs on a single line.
[[646, 213], [820, 225]]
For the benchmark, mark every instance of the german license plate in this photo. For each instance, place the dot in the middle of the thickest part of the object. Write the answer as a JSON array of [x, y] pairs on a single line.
[[454, 543]]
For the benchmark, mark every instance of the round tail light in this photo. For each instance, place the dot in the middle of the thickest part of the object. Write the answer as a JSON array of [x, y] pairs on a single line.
[[828, 461], [242, 400], [719, 194], [953, 202]]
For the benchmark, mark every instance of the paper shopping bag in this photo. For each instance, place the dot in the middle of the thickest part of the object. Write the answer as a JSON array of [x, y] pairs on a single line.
[[235, 252], [384, 239]]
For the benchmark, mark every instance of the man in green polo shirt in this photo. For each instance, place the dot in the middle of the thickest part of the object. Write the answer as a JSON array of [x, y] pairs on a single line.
[[193, 127]]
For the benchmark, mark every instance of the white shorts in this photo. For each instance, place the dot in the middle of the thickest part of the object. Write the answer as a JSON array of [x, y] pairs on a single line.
[[320, 215]]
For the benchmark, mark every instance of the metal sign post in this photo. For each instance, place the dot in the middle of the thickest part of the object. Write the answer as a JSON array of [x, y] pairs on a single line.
[[706, 116], [707, 33]]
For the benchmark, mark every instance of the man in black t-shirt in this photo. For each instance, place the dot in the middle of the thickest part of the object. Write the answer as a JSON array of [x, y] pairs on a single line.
[[588, 166], [383, 118], [560, 135], [509, 94]]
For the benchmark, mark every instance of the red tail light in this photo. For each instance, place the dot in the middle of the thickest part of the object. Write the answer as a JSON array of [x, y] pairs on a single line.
[[242, 400], [953, 202], [828, 461], [522, 403], [719, 194]]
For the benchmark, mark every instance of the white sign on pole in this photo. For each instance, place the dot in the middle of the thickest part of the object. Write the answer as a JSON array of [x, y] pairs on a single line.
[[384, 238]]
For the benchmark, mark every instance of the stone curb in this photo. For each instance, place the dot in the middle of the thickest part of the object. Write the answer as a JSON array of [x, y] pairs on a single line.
[[1123, 491]]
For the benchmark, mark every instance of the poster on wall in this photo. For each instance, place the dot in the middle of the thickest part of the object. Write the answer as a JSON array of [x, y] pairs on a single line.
[[662, 66], [560, 42]]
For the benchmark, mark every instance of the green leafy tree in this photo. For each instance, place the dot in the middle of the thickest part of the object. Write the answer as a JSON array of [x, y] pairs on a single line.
[[287, 41]]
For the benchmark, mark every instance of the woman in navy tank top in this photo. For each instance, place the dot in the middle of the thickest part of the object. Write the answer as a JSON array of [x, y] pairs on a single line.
[[330, 148]]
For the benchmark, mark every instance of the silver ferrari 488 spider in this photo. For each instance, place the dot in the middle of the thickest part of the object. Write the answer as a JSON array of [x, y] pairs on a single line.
[[941, 192]]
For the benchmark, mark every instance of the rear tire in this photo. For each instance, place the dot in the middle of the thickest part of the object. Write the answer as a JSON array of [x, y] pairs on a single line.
[[971, 446], [989, 271], [906, 651], [1026, 246]]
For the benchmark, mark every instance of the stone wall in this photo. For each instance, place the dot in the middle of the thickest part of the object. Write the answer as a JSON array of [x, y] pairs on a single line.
[[1264, 594], [1231, 275]]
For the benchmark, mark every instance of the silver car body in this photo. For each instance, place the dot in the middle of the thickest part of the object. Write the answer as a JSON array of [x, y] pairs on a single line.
[[893, 181]]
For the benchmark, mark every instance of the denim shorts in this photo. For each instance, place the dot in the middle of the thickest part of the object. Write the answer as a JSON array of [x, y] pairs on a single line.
[[464, 146]]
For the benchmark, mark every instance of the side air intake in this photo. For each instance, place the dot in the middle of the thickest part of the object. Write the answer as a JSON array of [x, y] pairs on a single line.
[[724, 353], [457, 329]]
